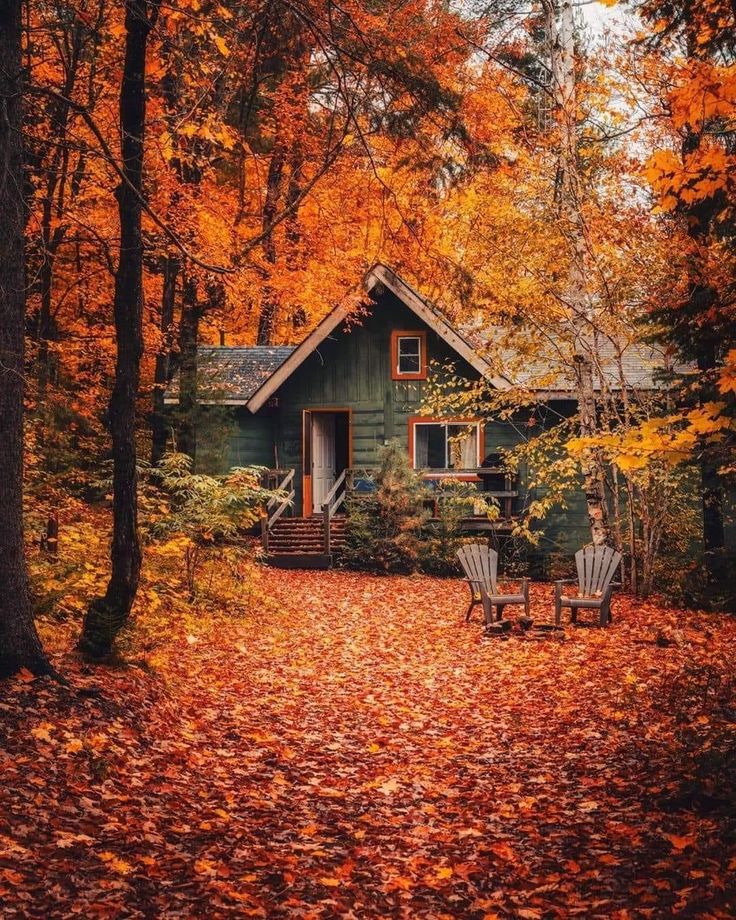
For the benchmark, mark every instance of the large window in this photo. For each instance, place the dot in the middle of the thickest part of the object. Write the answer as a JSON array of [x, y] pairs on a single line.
[[409, 355], [445, 445]]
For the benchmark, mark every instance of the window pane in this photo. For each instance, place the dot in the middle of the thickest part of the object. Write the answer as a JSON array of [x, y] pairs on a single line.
[[462, 447], [429, 447], [409, 364], [409, 350]]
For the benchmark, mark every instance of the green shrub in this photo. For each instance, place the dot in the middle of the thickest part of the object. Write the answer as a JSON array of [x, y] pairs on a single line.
[[389, 530], [454, 499], [384, 527]]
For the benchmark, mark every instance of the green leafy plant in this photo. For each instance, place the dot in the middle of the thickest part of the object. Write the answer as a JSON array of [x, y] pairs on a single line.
[[384, 527], [455, 499], [201, 510]]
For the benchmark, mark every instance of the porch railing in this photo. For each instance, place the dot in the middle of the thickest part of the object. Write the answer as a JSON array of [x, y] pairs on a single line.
[[275, 507], [333, 500], [362, 480]]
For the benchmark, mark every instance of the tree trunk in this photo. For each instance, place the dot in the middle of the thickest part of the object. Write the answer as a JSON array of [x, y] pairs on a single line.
[[561, 29], [188, 338], [714, 535], [293, 106], [159, 425], [19, 642], [702, 298], [269, 304], [107, 615]]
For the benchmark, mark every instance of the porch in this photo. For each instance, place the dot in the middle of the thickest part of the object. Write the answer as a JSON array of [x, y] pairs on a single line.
[[314, 540]]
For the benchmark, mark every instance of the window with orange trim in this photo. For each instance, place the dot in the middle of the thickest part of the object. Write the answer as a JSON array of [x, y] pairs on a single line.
[[437, 444], [408, 355]]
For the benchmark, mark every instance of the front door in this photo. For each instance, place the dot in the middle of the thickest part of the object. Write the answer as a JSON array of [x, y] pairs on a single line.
[[323, 457]]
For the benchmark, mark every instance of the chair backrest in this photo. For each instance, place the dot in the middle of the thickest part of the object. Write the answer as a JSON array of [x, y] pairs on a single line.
[[596, 567], [480, 564]]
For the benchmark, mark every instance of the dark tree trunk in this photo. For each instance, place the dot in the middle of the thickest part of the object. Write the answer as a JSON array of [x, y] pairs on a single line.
[[159, 424], [269, 304], [107, 615], [702, 299], [714, 535], [188, 338], [19, 642]]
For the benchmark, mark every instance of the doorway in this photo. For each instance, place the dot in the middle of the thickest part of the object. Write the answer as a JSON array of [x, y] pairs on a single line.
[[326, 454]]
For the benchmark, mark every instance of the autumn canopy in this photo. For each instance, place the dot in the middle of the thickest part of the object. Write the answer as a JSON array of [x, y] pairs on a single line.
[[235, 677]]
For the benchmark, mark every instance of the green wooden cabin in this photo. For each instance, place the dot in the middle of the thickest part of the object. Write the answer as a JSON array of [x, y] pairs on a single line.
[[317, 415]]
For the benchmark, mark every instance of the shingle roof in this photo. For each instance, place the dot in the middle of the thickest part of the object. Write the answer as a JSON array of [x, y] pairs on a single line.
[[232, 374], [508, 357], [547, 365]]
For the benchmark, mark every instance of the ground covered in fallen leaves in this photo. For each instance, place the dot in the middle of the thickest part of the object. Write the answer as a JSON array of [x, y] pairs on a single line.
[[348, 747]]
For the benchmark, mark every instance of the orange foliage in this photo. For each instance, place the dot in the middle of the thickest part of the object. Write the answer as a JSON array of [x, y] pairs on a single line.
[[351, 748]]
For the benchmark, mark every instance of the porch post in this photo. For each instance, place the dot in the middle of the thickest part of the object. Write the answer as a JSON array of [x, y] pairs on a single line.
[[326, 527]]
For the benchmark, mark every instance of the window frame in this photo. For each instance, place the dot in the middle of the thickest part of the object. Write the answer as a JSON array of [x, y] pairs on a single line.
[[397, 334], [416, 421]]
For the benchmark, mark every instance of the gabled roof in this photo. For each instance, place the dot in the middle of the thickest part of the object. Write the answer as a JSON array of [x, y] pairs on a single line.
[[230, 376], [379, 276], [250, 376]]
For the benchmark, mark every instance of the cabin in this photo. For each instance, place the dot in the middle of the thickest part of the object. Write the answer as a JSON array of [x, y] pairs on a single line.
[[315, 415]]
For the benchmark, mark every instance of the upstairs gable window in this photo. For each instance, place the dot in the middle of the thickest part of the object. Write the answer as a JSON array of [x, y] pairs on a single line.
[[409, 355]]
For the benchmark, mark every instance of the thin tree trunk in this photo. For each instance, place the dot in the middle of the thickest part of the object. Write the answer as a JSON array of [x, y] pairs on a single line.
[[561, 29], [19, 642], [269, 304], [714, 535], [159, 422], [107, 615], [287, 154], [188, 338]]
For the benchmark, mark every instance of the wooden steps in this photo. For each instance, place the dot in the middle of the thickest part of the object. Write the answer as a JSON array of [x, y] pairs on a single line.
[[299, 542]]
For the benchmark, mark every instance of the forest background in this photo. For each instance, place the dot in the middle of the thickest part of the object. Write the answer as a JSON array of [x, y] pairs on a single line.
[[226, 172]]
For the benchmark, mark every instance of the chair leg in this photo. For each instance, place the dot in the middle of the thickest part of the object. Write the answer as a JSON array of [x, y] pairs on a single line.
[[487, 610], [606, 610], [606, 607], [474, 601], [526, 598], [499, 611], [558, 605]]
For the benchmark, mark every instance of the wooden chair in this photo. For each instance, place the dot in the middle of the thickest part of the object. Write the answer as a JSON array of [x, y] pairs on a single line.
[[596, 567], [480, 565]]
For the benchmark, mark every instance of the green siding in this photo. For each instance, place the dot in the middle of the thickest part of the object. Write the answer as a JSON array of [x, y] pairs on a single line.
[[252, 443], [351, 369]]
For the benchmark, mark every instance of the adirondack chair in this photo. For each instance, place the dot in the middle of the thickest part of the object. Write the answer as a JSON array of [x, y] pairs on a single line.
[[480, 565], [596, 567]]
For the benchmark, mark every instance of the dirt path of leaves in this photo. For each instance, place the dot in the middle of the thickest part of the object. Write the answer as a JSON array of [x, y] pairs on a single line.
[[359, 752]]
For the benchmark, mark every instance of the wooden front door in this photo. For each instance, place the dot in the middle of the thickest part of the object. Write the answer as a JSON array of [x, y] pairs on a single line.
[[323, 457]]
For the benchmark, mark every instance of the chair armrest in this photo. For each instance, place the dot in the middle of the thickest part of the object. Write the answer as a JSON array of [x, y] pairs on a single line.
[[566, 581]]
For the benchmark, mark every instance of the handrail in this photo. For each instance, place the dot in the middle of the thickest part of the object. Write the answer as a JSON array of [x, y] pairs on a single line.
[[329, 508], [338, 482], [271, 516], [281, 508], [281, 487]]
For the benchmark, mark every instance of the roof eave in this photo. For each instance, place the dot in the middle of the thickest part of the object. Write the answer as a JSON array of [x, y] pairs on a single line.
[[382, 274], [379, 274], [295, 359]]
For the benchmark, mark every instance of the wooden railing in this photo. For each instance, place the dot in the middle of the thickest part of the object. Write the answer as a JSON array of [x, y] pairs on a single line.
[[505, 496], [276, 507], [333, 500]]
